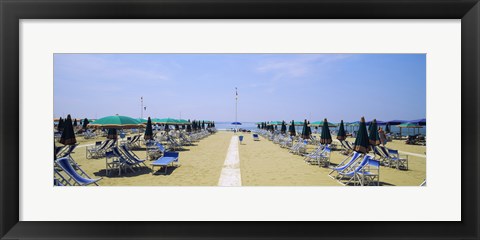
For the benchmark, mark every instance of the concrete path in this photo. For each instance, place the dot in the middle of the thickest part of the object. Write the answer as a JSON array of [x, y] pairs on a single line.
[[230, 175]]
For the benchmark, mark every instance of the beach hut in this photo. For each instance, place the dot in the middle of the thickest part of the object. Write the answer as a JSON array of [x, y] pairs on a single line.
[[148, 130], [325, 137], [68, 135], [373, 137], [341, 135], [362, 144]]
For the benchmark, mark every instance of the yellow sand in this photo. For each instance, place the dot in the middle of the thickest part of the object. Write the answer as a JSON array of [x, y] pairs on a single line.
[[262, 163]]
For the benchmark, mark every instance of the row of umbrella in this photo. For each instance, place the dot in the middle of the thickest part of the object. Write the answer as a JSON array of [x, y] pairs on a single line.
[[62, 123], [418, 123]]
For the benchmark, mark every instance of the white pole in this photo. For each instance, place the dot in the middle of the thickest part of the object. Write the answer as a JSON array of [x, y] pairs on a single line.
[[141, 111], [236, 100]]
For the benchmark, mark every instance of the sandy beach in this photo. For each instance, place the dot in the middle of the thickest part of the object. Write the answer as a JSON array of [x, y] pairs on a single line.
[[262, 163]]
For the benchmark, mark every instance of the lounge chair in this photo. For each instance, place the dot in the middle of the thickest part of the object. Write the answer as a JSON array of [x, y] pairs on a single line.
[[324, 158], [347, 162], [398, 161], [350, 174], [370, 173], [381, 155], [79, 180], [312, 157], [132, 156], [255, 137], [169, 158], [66, 151], [118, 161], [98, 150]]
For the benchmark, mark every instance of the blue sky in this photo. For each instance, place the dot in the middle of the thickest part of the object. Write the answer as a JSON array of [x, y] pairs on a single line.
[[270, 86]]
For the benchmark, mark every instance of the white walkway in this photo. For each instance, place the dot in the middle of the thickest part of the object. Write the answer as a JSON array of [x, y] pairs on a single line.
[[230, 175]]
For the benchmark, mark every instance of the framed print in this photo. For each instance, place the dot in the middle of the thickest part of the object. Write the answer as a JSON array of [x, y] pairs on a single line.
[[202, 119]]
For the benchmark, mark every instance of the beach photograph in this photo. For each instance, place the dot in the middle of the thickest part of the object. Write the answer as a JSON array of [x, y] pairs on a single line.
[[232, 120]]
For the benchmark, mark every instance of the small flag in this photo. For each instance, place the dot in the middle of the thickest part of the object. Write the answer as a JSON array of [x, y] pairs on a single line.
[[236, 93]]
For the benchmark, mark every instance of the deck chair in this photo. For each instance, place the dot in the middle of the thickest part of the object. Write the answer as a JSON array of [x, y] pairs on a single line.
[[169, 158], [347, 162], [75, 178], [121, 160], [324, 158], [370, 173], [97, 150], [381, 156], [132, 156], [59, 179], [311, 158], [350, 174], [66, 151], [345, 148], [398, 161], [255, 137]]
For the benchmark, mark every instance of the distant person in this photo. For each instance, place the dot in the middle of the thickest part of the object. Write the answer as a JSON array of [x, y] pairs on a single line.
[[383, 137]]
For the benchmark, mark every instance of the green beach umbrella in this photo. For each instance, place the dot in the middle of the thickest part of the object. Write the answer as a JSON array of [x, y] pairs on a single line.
[[283, 129], [166, 121], [325, 137], [85, 123], [320, 124], [142, 120], [373, 137], [362, 144], [68, 136], [305, 134], [292, 129], [112, 133], [60, 125], [148, 130], [341, 135], [116, 122]]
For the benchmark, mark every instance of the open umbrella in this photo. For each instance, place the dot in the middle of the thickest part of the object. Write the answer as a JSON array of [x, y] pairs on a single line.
[[148, 130], [325, 137], [68, 135], [116, 122], [320, 123], [373, 137], [142, 120], [165, 121], [362, 144], [341, 135]]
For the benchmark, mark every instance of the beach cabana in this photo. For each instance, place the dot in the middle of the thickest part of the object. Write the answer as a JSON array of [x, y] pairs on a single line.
[[362, 144], [68, 135], [341, 135], [325, 137]]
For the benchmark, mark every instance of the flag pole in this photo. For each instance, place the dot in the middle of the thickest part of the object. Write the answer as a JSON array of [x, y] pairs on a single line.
[[236, 103], [141, 110]]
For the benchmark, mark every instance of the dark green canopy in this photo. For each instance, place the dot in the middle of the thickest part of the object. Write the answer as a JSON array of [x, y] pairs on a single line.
[[341, 135], [61, 124], [325, 137], [148, 130], [292, 129], [362, 144], [85, 123], [68, 136], [373, 137]]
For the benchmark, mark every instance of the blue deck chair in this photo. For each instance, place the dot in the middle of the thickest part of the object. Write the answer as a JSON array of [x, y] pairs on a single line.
[[347, 162], [125, 163], [324, 158], [381, 155], [351, 173], [66, 151], [370, 173], [65, 165], [255, 137], [168, 158]]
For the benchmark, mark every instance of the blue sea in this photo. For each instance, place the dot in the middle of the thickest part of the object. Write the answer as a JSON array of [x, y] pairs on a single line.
[[253, 126]]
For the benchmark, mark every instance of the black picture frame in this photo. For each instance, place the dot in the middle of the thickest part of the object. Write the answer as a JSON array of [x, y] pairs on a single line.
[[12, 11]]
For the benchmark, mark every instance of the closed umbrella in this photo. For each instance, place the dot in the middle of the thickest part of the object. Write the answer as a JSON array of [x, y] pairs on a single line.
[[148, 130], [75, 123], [341, 135], [68, 136], [85, 123], [325, 137], [60, 125], [283, 129], [373, 137], [292, 129], [362, 144], [305, 134]]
